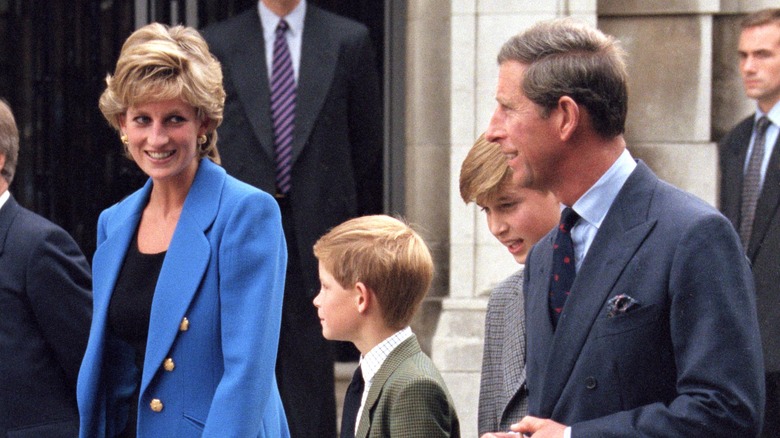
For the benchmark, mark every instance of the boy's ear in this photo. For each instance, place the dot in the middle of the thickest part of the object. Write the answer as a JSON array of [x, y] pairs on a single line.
[[364, 298]]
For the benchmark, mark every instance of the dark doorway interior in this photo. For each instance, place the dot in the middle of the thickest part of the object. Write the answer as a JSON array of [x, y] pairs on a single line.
[[54, 56]]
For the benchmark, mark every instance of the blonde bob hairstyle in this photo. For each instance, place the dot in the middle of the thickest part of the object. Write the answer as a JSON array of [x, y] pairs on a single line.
[[159, 62], [384, 254]]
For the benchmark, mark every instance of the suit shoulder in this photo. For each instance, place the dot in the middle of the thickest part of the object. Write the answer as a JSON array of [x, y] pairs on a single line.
[[336, 23], [744, 127], [232, 30]]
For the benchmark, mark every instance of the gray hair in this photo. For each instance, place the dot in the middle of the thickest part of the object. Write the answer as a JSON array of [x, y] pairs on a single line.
[[567, 58]]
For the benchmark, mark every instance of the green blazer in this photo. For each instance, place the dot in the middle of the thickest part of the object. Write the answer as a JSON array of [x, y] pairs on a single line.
[[408, 398]]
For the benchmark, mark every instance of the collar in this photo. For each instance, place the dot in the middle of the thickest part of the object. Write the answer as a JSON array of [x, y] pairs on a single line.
[[270, 20], [373, 360], [4, 197], [595, 203], [773, 115]]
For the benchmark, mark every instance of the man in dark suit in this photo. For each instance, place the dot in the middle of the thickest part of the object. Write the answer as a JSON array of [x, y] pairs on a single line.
[[335, 167], [46, 308], [751, 199], [640, 308]]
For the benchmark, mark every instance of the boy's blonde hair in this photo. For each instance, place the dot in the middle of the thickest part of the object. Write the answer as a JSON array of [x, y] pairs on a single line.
[[484, 172], [384, 254]]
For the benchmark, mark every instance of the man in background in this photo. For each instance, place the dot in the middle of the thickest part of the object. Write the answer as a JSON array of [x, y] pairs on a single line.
[[303, 121], [46, 308], [750, 188]]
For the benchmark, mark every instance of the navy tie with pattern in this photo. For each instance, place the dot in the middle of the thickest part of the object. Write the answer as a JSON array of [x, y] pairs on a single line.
[[352, 404], [282, 107], [563, 270], [751, 184]]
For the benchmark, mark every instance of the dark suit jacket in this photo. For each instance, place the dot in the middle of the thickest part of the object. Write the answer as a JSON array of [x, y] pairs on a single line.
[[46, 307], [503, 396], [684, 360], [337, 146], [764, 247], [408, 398], [336, 174]]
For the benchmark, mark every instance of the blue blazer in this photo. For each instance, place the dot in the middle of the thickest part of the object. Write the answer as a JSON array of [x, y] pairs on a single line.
[[214, 325], [684, 359]]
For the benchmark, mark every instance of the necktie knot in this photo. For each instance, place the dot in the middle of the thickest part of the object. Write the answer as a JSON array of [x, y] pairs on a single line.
[[762, 124], [281, 28], [568, 218]]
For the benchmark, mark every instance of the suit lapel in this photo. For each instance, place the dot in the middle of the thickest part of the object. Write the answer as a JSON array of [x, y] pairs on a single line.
[[767, 203], [7, 214], [514, 350], [250, 76], [624, 229], [403, 351], [319, 57], [185, 264], [733, 159]]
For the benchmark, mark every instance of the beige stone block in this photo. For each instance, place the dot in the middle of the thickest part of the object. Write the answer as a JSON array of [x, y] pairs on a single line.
[[429, 9], [493, 264], [428, 85], [691, 167], [464, 389], [462, 270], [729, 103], [463, 126], [424, 322], [534, 7], [463, 37], [645, 7], [464, 7], [669, 83]]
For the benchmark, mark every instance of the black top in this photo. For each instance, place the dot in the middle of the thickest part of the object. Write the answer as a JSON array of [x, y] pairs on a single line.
[[130, 309]]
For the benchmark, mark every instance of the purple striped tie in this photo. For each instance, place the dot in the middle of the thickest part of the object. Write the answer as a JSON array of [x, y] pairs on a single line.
[[282, 107]]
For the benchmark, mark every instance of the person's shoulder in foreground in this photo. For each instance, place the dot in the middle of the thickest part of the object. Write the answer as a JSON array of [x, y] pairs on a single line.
[[375, 271]]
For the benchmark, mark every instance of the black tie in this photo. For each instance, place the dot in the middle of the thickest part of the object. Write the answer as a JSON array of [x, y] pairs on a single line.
[[563, 271], [352, 404]]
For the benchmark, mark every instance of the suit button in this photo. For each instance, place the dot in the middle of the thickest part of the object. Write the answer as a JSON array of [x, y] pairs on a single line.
[[168, 364], [156, 405], [184, 325], [590, 382]]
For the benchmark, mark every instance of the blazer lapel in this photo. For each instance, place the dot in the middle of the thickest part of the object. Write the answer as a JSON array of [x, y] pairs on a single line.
[[110, 254], [624, 229], [250, 76], [7, 214], [185, 264], [514, 350], [767, 203], [319, 58], [403, 351]]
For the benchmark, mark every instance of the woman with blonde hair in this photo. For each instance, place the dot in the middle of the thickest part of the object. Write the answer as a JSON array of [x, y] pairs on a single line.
[[189, 270]]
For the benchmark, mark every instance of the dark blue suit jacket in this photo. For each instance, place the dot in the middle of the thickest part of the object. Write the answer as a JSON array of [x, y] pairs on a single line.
[[685, 360], [45, 312]]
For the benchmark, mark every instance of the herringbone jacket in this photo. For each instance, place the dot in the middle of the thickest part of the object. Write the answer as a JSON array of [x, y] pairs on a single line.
[[503, 395]]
